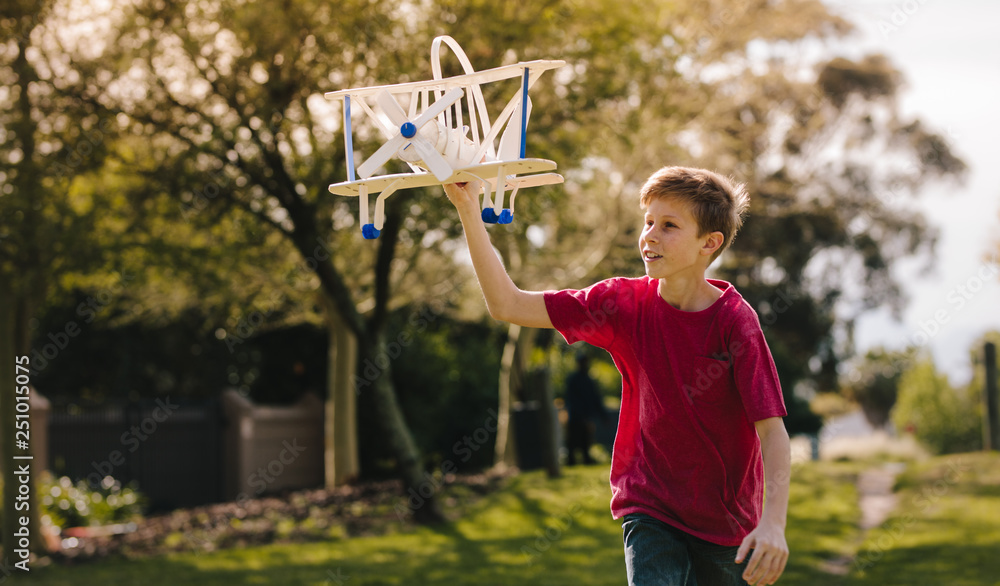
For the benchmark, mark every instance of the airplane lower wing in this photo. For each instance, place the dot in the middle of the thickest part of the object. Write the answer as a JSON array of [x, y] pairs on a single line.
[[516, 174], [484, 171]]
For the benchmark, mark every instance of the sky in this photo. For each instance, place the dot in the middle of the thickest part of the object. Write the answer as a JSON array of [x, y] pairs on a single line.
[[949, 54]]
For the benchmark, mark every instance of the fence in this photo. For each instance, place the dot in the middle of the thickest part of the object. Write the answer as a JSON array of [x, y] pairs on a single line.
[[184, 455], [172, 452], [269, 449]]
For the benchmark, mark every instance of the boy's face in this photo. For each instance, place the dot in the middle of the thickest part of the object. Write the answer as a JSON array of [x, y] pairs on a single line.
[[670, 244]]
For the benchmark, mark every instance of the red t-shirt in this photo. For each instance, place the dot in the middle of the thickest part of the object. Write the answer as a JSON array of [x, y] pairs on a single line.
[[693, 384]]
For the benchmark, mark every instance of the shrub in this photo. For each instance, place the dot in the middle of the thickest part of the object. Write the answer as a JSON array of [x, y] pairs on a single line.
[[874, 383], [65, 504], [78, 505], [946, 420]]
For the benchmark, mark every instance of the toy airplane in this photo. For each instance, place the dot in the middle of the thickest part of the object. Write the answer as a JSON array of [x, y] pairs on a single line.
[[435, 142]]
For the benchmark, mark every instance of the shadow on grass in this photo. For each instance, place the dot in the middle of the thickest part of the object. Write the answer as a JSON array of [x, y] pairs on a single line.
[[537, 531], [937, 563], [947, 530], [534, 531]]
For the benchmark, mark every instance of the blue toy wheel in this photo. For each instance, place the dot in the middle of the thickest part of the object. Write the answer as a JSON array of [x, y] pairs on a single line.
[[369, 232], [506, 217], [489, 216]]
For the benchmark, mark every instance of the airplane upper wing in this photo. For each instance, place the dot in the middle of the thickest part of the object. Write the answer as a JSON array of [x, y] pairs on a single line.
[[460, 81]]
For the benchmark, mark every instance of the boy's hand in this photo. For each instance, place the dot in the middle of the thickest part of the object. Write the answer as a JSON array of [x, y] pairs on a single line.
[[464, 195], [769, 556]]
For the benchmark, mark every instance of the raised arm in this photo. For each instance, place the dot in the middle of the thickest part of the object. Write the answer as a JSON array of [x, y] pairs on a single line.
[[504, 300]]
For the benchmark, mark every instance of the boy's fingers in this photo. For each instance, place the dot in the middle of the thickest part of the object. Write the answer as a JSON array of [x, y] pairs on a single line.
[[761, 566], [753, 565], [768, 568], [764, 570], [467, 189], [779, 569], [744, 548]]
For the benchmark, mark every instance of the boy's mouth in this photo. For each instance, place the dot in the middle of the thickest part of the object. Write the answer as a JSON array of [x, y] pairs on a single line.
[[649, 255]]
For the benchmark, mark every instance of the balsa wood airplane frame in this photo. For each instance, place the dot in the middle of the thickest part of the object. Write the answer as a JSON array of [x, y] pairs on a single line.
[[436, 144]]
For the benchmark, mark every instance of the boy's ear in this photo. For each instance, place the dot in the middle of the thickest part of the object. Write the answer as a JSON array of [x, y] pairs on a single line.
[[713, 240]]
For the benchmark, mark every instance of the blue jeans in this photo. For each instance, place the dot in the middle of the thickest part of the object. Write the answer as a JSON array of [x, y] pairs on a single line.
[[661, 555]]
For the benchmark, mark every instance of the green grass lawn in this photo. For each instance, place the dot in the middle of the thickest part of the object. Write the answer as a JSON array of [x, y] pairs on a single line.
[[540, 531], [946, 529]]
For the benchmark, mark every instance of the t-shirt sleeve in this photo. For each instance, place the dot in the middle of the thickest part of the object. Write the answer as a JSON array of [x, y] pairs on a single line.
[[753, 368], [589, 315]]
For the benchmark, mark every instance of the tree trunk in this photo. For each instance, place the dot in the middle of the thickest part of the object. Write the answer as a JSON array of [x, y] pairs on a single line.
[[18, 294], [547, 425], [13, 508], [548, 421], [991, 400], [503, 452], [7, 539], [419, 487], [511, 380], [341, 410], [375, 379]]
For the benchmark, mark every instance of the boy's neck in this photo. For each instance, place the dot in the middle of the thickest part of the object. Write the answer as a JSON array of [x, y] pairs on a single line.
[[689, 294]]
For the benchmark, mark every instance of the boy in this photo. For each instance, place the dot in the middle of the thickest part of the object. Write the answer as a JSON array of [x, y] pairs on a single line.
[[700, 428]]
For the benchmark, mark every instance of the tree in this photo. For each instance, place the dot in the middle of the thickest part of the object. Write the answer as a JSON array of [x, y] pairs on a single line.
[[615, 115], [979, 385], [822, 216], [874, 383], [946, 419], [703, 83], [48, 143], [242, 103], [719, 85]]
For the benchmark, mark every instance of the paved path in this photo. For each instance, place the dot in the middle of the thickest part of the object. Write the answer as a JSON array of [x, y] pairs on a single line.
[[877, 501], [875, 496]]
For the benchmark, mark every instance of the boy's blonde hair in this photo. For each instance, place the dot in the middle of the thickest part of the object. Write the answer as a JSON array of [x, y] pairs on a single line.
[[717, 203]]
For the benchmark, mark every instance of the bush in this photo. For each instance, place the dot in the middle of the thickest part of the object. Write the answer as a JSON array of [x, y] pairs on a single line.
[[830, 405], [65, 504], [946, 420], [78, 505], [874, 384]]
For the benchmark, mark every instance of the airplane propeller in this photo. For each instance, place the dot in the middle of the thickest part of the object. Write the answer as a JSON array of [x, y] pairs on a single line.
[[408, 135]]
